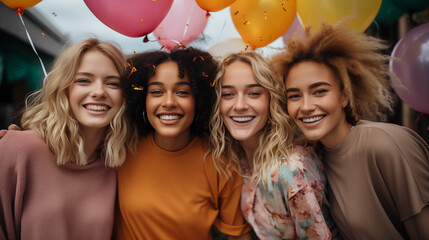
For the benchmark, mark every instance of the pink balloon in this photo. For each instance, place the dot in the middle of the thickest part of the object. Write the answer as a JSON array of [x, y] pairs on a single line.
[[133, 18], [183, 24], [411, 70], [295, 27]]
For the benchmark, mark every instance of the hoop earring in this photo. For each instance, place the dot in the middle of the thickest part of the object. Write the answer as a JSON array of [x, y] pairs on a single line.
[[144, 117]]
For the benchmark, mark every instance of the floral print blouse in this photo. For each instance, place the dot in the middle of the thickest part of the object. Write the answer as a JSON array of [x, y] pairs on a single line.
[[293, 204]]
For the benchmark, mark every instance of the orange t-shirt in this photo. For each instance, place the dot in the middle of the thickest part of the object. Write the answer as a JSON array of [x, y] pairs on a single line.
[[176, 195]]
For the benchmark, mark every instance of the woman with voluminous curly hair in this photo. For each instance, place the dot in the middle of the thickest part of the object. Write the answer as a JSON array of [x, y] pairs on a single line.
[[62, 166], [378, 172], [283, 194], [171, 188]]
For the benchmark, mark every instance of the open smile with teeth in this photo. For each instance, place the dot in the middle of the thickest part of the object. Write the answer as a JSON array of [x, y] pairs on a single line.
[[169, 117], [97, 107], [242, 119], [312, 119]]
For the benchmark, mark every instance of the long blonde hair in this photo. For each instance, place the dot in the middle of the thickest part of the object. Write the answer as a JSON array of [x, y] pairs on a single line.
[[48, 111], [356, 59], [276, 140]]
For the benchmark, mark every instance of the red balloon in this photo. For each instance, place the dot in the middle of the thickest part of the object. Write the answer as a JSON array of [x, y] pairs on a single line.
[[133, 18]]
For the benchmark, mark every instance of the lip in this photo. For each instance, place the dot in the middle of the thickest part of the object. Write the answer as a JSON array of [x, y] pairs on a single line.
[[242, 120], [96, 108], [312, 121], [169, 118]]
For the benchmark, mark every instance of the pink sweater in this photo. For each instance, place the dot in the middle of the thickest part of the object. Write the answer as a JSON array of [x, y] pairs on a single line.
[[40, 200]]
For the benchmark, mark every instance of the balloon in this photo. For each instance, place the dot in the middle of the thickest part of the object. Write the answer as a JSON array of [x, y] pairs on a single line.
[[295, 28], [261, 22], [22, 4], [133, 18], [183, 24], [361, 12], [412, 5], [228, 46], [412, 68], [214, 5], [389, 13]]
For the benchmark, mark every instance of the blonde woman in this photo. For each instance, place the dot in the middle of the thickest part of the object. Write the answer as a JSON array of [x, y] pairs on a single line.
[[378, 172], [283, 194], [58, 177]]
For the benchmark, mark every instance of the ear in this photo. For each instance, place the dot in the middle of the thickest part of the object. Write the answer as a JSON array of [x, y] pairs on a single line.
[[344, 100]]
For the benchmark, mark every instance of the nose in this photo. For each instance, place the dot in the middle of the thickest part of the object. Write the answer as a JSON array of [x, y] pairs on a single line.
[[168, 100], [307, 104], [98, 90], [240, 103]]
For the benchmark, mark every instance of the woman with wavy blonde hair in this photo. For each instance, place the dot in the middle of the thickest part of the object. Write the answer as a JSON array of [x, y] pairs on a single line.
[[58, 176], [283, 190], [378, 172]]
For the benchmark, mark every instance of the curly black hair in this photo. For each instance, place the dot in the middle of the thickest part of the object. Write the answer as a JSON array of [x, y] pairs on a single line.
[[199, 66]]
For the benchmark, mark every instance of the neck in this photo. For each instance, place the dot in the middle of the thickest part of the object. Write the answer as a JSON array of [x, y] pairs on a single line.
[[172, 144], [92, 139], [333, 139], [249, 152]]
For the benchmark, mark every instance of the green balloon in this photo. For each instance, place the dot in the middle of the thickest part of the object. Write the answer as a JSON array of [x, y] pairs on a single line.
[[388, 13], [412, 5]]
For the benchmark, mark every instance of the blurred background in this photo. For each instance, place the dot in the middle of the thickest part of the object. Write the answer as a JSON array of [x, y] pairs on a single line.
[[218, 26]]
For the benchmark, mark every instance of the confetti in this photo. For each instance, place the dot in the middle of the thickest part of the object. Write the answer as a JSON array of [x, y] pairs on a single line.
[[153, 66], [133, 69], [139, 88], [265, 15], [283, 6], [141, 22], [54, 14], [134, 52], [246, 22], [212, 84], [43, 34], [236, 12], [205, 75]]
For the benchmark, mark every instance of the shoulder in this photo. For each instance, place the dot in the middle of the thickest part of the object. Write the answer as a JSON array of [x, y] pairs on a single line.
[[21, 141], [379, 137]]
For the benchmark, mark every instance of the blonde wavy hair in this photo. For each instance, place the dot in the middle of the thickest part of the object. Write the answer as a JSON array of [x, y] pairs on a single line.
[[356, 59], [275, 143], [48, 111]]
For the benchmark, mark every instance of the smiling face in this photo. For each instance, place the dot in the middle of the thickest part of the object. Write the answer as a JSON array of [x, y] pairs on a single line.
[[316, 103], [95, 95], [170, 105], [244, 104]]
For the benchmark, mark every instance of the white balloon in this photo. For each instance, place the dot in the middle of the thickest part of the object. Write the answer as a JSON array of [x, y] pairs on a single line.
[[226, 47]]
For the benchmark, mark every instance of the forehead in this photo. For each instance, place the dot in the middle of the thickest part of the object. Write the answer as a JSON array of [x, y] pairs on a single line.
[[307, 73], [167, 73], [238, 73]]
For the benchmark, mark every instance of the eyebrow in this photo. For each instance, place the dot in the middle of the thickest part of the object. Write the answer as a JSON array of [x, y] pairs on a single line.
[[314, 85], [247, 86], [92, 75], [177, 84]]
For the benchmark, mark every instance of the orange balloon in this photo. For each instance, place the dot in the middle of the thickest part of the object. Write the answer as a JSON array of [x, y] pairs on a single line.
[[261, 22], [22, 4], [214, 5]]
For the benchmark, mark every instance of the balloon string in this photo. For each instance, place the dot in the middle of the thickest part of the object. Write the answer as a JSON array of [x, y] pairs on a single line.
[[32, 45], [189, 20]]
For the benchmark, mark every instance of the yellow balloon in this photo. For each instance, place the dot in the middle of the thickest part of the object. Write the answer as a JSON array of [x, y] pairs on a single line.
[[214, 5], [22, 4], [360, 13], [261, 22]]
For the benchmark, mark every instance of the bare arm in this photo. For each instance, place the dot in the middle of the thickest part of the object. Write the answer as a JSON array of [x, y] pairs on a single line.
[[417, 225]]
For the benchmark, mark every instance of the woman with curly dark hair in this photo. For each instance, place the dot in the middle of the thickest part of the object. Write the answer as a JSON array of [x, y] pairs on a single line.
[[171, 188]]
